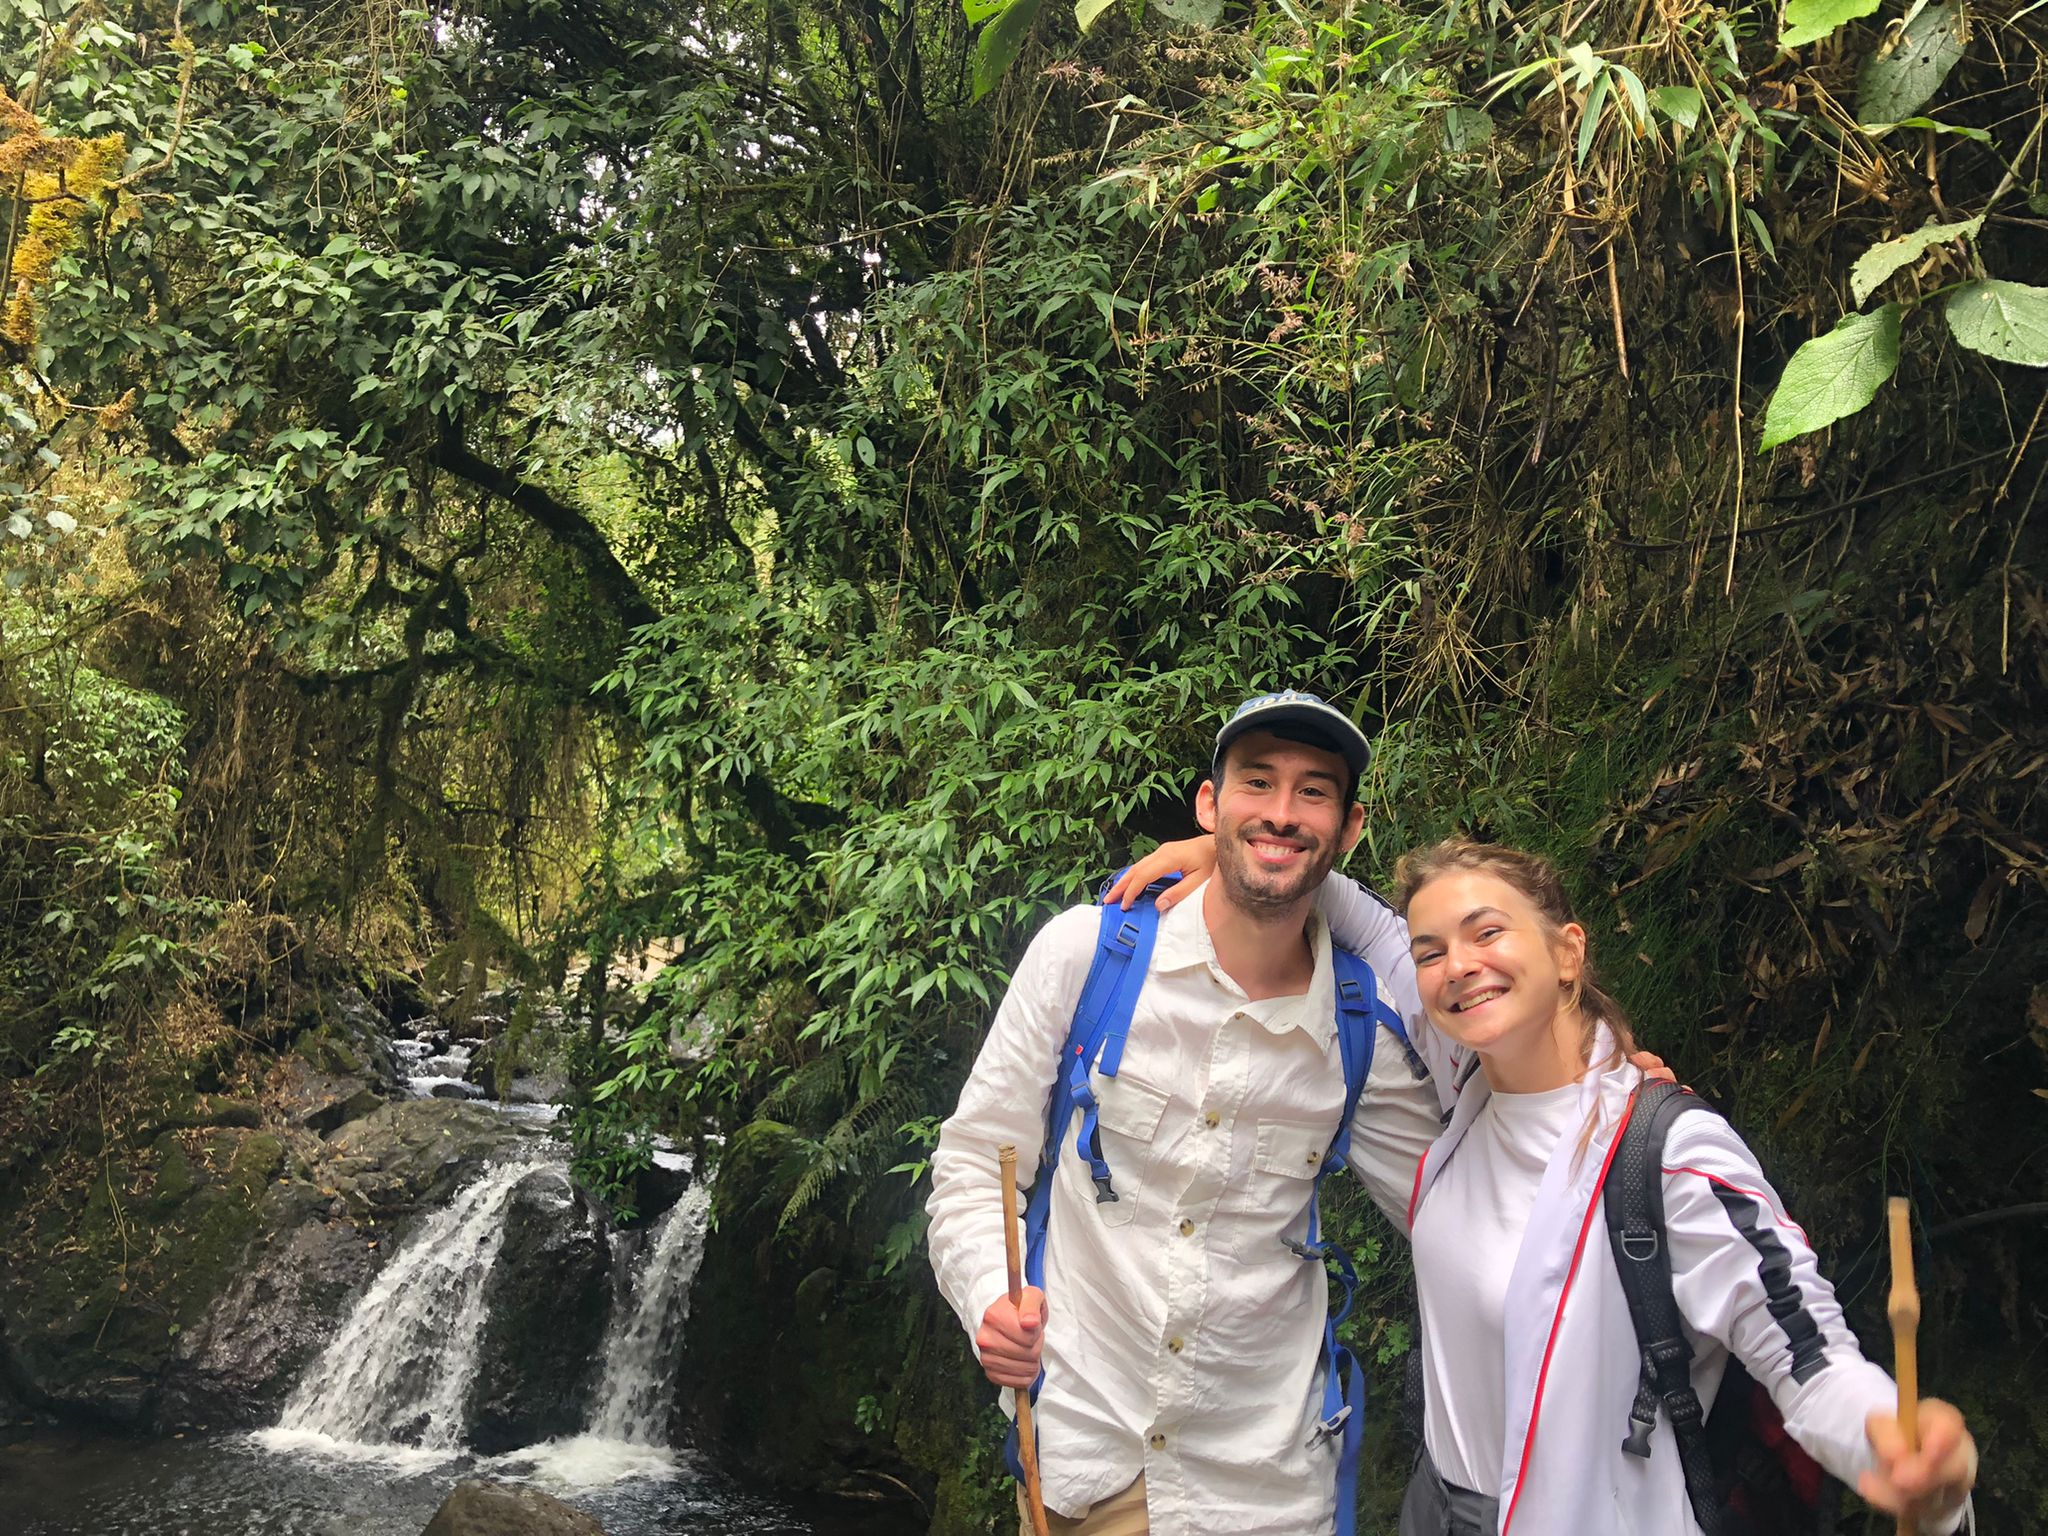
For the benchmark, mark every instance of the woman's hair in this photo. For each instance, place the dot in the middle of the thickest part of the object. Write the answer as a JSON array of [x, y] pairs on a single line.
[[1536, 878]]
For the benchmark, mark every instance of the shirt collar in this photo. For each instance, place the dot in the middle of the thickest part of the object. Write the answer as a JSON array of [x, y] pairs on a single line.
[[1184, 945]]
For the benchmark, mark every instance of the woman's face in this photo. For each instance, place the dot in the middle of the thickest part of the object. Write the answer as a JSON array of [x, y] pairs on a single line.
[[1491, 973]]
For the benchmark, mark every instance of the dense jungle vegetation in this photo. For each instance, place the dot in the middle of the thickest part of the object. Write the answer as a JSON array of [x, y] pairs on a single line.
[[504, 483]]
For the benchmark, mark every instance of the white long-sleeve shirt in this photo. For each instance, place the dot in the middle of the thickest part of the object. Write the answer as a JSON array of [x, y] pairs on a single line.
[[1183, 1340], [1746, 1283]]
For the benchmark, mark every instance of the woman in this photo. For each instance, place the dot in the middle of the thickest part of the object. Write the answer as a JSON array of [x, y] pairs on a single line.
[[1529, 1356]]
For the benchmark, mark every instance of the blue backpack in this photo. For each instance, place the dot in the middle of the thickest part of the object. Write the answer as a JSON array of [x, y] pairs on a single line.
[[1095, 1042]]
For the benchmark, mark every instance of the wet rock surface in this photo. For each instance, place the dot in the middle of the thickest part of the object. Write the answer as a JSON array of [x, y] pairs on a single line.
[[413, 1153], [500, 1509], [238, 1365], [548, 1299]]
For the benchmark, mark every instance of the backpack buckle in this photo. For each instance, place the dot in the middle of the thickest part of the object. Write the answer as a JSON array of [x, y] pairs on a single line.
[[1315, 1252], [1640, 1246], [1638, 1441], [1104, 1195], [1330, 1428]]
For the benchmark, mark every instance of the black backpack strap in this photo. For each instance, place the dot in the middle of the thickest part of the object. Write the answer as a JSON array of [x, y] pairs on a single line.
[[1634, 1201]]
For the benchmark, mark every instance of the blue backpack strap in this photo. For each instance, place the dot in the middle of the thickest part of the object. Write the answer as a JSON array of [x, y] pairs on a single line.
[[1095, 1040], [1360, 1012]]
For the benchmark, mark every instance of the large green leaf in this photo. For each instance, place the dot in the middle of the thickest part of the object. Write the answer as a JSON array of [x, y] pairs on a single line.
[[1881, 261], [1809, 20], [1899, 83], [1193, 13], [1680, 103], [1833, 376], [2004, 320], [996, 49], [1088, 12]]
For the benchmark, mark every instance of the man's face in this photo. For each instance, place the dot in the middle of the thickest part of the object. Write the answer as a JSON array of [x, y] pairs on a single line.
[[1279, 820]]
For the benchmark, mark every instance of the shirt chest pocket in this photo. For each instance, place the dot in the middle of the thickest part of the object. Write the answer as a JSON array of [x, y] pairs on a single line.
[[1285, 1158], [1128, 1110]]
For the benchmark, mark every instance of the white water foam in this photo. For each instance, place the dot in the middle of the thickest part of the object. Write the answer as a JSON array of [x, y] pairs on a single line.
[[392, 1384]]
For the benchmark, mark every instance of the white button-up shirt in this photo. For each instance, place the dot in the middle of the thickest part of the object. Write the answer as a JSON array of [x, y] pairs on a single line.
[[1183, 1339]]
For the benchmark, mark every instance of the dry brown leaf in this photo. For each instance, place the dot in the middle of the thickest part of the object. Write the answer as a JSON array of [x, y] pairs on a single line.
[[1980, 909], [1793, 1109]]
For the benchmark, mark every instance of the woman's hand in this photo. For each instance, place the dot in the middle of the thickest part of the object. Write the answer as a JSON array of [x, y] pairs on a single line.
[[1930, 1483], [1193, 857]]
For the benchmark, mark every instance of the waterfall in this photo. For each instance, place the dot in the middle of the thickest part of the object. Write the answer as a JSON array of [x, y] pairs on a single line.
[[637, 1386], [400, 1369], [627, 1432]]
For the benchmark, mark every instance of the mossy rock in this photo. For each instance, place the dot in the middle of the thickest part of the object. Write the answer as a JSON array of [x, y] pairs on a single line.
[[129, 1262], [186, 1111]]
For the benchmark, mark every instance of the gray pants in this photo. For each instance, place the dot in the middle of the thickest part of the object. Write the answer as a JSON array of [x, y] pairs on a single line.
[[1434, 1508]]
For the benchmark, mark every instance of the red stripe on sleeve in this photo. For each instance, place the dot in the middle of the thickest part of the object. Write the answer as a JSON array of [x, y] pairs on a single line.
[[1755, 1194]]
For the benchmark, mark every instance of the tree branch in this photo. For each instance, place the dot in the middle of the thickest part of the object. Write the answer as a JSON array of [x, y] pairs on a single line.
[[568, 527]]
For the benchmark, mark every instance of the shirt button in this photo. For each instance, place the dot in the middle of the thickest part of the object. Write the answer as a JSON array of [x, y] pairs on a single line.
[[1187, 1228], [1175, 1346], [1158, 1442], [1211, 1118]]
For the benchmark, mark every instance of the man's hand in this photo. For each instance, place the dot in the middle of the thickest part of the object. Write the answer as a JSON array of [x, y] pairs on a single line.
[[1193, 857], [1011, 1338], [1930, 1483]]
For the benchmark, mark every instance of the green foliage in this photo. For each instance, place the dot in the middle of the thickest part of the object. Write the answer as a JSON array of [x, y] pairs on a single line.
[[1899, 79], [1005, 25], [1878, 263], [2004, 320], [1834, 375], [528, 491], [1808, 21]]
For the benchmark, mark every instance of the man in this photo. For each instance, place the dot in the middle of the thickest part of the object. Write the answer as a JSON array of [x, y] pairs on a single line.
[[1182, 1338]]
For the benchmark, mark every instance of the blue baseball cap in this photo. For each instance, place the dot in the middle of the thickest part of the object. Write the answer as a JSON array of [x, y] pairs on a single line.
[[1295, 716]]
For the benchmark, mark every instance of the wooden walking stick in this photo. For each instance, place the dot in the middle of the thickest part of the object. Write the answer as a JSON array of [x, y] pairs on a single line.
[[1904, 1308], [1027, 1437]]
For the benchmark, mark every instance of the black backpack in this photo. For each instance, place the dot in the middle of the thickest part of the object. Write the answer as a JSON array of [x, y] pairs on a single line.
[[1743, 1474]]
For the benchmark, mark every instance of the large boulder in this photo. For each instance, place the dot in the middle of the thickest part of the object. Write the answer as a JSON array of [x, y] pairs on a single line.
[[120, 1272], [500, 1509], [413, 1152], [805, 1374], [240, 1363], [546, 1305]]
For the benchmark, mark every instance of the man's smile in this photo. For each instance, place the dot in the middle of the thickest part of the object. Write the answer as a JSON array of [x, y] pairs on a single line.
[[1268, 848]]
